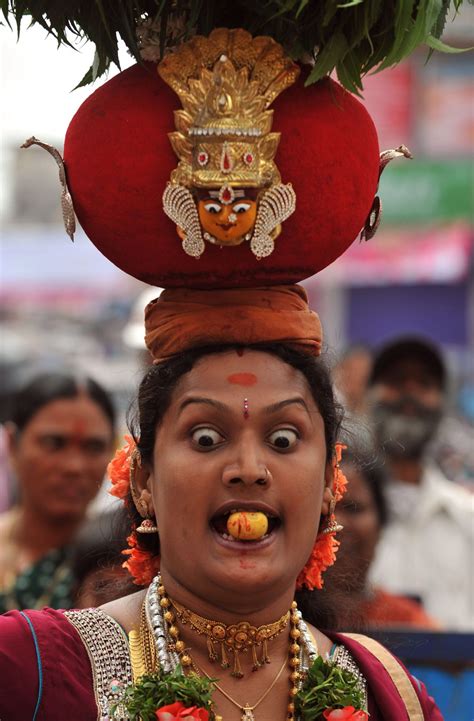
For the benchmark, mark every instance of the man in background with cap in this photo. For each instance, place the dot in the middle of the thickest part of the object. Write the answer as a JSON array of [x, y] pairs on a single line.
[[426, 548]]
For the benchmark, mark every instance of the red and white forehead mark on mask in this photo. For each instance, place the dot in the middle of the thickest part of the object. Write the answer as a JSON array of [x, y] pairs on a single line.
[[242, 379]]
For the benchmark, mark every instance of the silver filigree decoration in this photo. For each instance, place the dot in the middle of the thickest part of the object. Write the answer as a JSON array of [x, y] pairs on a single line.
[[275, 206], [67, 207], [375, 215], [179, 205], [388, 155]]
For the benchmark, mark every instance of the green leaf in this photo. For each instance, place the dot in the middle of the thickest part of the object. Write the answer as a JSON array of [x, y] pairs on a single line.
[[354, 36], [351, 4], [437, 44], [328, 58]]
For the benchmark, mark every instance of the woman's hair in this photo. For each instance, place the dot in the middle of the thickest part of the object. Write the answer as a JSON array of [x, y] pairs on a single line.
[[154, 398], [372, 471], [48, 387], [98, 547]]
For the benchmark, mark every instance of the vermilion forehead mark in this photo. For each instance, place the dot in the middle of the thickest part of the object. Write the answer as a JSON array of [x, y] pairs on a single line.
[[79, 430], [243, 379]]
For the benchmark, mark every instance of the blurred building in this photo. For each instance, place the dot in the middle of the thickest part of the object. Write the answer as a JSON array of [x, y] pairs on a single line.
[[416, 274]]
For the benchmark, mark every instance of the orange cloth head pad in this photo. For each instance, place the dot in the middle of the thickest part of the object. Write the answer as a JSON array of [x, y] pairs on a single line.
[[184, 318], [119, 161]]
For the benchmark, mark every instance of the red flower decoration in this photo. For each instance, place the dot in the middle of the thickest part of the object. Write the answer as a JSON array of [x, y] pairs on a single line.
[[141, 565], [348, 713], [178, 712], [324, 550], [119, 469]]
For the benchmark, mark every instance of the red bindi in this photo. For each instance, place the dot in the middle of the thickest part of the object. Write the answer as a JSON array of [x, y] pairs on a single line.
[[243, 379], [79, 430]]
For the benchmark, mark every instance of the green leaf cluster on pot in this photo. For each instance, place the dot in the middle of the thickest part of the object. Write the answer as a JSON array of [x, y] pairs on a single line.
[[351, 37]]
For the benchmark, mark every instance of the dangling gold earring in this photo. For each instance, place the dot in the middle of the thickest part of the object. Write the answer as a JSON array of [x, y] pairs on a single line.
[[147, 525], [332, 525], [339, 485]]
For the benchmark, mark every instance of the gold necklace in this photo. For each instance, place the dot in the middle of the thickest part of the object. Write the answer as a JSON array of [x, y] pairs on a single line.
[[247, 710], [294, 650], [234, 639]]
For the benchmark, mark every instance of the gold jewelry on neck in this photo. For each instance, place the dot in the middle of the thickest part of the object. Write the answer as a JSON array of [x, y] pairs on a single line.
[[234, 639], [145, 659], [247, 710], [142, 648], [293, 661]]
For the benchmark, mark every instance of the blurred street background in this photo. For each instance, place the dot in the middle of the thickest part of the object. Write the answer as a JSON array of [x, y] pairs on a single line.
[[416, 275]]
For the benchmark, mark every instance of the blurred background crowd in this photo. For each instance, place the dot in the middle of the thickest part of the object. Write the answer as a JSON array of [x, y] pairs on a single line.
[[398, 313]]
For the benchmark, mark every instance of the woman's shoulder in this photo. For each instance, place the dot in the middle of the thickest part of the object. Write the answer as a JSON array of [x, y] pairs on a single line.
[[391, 686], [24, 627], [43, 665]]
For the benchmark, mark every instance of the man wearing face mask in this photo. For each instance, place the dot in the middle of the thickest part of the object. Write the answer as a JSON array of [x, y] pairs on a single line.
[[426, 548]]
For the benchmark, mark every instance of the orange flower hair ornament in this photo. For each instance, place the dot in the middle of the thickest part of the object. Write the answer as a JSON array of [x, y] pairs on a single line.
[[142, 565], [325, 547]]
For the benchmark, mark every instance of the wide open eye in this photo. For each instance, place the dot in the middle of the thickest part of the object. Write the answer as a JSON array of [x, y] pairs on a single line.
[[241, 207], [206, 438], [213, 208], [283, 438]]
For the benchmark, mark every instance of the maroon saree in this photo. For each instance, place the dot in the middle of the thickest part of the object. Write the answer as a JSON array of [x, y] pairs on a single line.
[[45, 673]]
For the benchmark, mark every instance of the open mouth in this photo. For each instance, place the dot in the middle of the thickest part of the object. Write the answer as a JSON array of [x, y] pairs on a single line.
[[219, 524]]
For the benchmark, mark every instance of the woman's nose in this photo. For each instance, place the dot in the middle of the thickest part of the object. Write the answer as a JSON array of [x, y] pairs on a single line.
[[74, 461], [247, 469]]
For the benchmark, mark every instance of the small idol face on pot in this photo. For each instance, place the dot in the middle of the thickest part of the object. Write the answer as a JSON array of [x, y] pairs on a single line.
[[211, 460], [227, 221]]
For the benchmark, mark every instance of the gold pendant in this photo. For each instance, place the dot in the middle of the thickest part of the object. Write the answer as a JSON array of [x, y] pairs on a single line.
[[247, 713]]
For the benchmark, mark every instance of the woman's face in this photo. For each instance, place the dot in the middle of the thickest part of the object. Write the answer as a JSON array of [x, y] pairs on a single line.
[[61, 455], [357, 512], [232, 418]]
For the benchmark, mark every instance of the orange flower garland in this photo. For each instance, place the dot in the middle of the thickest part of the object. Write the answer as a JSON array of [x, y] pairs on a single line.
[[325, 548], [119, 470], [142, 565]]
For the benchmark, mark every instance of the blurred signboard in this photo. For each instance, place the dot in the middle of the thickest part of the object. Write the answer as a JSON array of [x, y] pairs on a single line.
[[388, 98], [446, 108], [440, 254], [421, 191]]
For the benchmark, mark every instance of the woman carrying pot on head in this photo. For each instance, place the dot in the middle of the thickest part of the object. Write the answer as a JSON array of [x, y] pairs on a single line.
[[232, 472], [60, 437]]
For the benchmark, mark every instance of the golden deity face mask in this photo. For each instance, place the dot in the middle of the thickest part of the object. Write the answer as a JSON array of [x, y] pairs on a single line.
[[226, 188]]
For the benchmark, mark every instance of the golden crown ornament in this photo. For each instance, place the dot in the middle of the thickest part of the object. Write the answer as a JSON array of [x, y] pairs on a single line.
[[227, 188]]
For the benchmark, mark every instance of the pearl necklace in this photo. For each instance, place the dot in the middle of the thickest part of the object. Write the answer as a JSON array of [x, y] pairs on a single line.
[[171, 650]]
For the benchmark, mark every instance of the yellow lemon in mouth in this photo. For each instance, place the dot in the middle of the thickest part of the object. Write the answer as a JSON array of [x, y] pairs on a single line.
[[247, 525]]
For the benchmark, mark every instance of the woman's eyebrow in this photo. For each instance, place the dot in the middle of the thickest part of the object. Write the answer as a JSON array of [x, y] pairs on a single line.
[[201, 399], [273, 408], [288, 402]]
